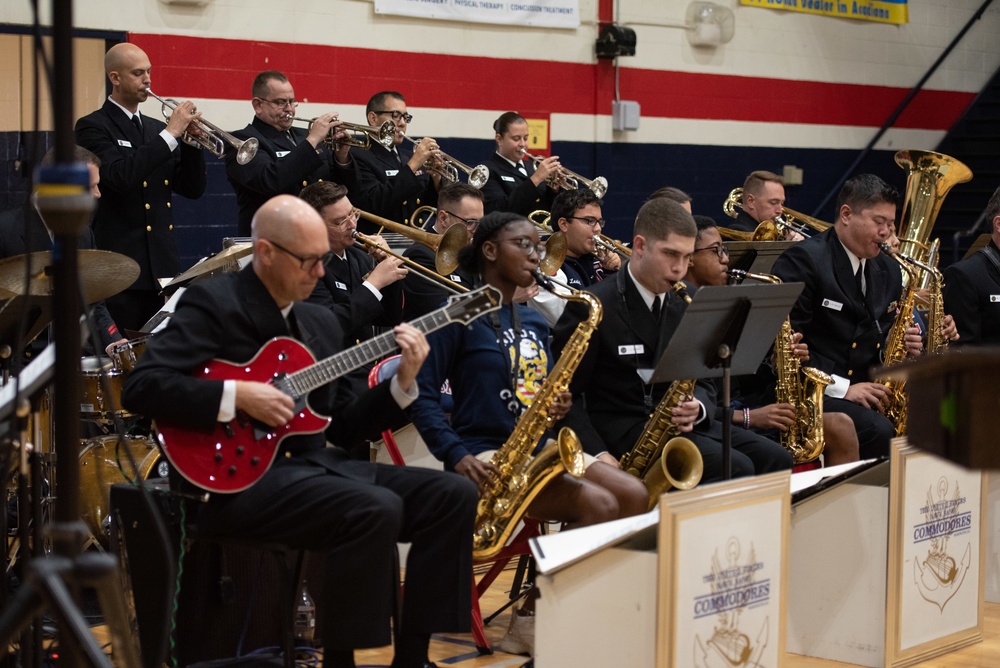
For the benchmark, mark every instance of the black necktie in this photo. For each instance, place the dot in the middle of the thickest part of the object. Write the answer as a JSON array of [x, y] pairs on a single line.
[[520, 168], [395, 154], [291, 137], [859, 278], [137, 123], [293, 325], [656, 308]]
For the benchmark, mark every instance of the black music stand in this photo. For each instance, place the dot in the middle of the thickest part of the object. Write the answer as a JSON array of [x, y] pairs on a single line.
[[952, 404], [755, 256], [720, 334]]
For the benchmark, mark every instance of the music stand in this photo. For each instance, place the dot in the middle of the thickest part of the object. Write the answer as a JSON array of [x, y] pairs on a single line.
[[726, 330], [758, 256]]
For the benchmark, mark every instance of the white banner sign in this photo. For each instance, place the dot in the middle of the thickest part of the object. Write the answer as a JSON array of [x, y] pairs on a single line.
[[542, 13]]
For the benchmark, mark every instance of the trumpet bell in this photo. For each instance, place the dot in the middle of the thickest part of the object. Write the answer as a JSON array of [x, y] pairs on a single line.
[[555, 254], [446, 255], [599, 186], [246, 150], [479, 175]]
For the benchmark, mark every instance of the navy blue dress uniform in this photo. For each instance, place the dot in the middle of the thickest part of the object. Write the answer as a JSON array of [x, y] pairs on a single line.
[[972, 297], [511, 190], [315, 497], [285, 164], [420, 295], [845, 329], [139, 174], [611, 402], [389, 188], [743, 221]]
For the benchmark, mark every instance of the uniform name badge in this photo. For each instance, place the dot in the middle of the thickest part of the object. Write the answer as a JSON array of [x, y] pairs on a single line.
[[125, 142], [636, 349], [829, 303], [281, 154], [391, 172], [994, 299], [507, 178], [340, 286]]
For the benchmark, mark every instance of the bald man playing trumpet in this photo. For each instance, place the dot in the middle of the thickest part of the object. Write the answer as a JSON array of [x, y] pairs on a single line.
[[142, 164]]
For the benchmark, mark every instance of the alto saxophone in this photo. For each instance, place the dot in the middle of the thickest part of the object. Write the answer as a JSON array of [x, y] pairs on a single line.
[[934, 281], [522, 477], [661, 458], [802, 387], [895, 344]]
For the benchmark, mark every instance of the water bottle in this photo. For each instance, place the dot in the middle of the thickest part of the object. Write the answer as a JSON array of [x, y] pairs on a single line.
[[305, 617]]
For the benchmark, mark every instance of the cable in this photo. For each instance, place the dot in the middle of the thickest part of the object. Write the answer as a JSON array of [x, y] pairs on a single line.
[[172, 656]]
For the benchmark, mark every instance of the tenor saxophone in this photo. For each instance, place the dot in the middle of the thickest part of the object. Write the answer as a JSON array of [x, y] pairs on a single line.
[[661, 458], [522, 477], [802, 387], [895, 344]]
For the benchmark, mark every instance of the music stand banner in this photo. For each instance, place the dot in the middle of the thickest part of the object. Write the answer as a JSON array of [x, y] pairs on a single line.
[[538, 13], [880, 11], [722, 593], [936, 519]]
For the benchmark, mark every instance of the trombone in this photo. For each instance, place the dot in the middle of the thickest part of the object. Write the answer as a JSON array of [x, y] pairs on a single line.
[[384, 134], [541, 218], [215, 137], [478, 175], [446, 246], [572, 180], [769, 230], [422, 271]]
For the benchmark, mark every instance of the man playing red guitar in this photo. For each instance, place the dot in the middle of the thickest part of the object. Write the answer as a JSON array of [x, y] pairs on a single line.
[[313, 496]]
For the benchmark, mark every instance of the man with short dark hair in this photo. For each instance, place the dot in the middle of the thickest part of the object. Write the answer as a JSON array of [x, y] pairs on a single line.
[[850, 303], [395, 181], [674, 195], [143, 162], [972, 287], [612, 398], [763, 198], [458, 204], [288, 158]]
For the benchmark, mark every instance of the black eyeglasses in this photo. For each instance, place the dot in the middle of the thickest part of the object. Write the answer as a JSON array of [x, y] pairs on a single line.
[[589, 220], [281, 104], [396, 115], [718, 249], [307, 263], [525, 244], [469, 222]]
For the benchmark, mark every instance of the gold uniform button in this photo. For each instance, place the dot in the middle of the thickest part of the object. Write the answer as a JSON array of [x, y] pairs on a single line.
[[144, 184], [850, 372], [168, 205], [171, 228], [166, 182], [149, 228], [320, 181], [147, 206], [305, 183], [854, 345], [877, 346], [418, 201]]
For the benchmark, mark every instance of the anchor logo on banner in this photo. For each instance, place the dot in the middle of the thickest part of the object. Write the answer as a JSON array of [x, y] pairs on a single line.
[[734, 589], [938, 577]]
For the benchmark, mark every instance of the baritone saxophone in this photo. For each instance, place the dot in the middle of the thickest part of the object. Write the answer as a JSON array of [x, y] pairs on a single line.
[[521, 477]]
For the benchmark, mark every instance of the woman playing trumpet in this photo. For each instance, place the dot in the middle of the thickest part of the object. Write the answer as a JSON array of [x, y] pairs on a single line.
[[516, 184]]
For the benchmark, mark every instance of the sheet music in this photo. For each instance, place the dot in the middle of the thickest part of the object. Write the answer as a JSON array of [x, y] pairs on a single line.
[[559, 550], [806, 479]]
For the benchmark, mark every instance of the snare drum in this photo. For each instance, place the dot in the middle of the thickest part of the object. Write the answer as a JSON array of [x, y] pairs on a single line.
[[126, 353], [99, 470], [95, 403]]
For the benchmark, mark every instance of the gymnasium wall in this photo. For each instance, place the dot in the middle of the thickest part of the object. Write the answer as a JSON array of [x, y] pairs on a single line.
[[790, 89]]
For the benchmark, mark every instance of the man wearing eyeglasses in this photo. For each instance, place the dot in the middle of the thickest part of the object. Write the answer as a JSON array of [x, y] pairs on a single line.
[[314, 496], [288, 158], [458, 204], [398, 180]]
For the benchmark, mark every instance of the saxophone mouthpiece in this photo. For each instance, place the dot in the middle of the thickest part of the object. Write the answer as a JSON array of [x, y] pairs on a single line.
[[543, 280], [886, 248]]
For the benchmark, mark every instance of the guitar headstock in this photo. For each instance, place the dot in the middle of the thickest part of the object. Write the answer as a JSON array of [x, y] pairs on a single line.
[[468, 306]]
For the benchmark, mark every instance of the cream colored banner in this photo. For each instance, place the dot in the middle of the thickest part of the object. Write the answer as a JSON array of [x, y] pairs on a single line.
[[881, 11], [542, 13]]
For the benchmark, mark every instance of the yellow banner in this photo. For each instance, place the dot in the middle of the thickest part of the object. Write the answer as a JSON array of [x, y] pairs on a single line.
[[881, 11]]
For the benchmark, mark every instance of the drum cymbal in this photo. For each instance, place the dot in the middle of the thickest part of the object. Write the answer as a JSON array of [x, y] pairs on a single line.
[[218, 262], [102, 274]]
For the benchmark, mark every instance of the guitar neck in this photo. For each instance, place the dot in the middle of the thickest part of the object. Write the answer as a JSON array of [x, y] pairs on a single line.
[[327, 370]]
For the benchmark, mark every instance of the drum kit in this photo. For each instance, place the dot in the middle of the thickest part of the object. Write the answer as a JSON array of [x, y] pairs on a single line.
[[119, 447]]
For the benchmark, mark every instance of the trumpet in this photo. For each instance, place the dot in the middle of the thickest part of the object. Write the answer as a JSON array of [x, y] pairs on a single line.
[[770, 230], [478, 175], [572, 180], [612, 245], [384, 134], [215, 138]]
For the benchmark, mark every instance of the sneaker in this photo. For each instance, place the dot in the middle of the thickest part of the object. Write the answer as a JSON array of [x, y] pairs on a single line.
[[520, 638]]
